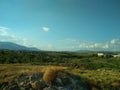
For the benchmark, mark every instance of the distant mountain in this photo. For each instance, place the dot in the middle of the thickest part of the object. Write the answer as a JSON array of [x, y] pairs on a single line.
[[83, 51], [14, 46]]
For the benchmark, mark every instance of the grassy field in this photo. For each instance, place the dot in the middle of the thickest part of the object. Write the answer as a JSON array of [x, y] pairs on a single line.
[[97, 79], [99, 73], [9, 72]]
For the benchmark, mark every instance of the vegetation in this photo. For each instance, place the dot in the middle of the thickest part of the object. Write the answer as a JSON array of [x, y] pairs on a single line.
[[71, 59], [99, 79], [94, 79], [50, 73], [99, 73]]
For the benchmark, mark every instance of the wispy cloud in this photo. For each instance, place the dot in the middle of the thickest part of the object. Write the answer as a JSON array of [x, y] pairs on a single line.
[[73, 41], [112, 45], [46, 29], [6, 36], [3, 28], [115, 41], [3, 31], [47, 47], [66, 44]]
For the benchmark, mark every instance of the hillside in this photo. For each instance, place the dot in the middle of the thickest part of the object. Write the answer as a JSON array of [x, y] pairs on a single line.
[[14, 46]]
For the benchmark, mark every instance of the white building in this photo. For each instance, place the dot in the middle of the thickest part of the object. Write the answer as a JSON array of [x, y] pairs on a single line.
[[100, 54], [118, 55]]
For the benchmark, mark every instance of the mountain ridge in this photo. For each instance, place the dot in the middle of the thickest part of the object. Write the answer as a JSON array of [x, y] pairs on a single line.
[[14, 46]]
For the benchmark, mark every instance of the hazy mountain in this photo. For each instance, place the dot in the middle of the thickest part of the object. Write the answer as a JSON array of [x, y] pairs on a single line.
[[14, 46], [83, 51]]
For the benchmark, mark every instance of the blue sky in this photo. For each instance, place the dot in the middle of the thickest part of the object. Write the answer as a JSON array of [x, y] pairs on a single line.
[[61, 24]]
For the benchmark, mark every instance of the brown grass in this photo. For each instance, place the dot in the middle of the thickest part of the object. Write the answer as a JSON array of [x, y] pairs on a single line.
[[50, 73], [8, 72]]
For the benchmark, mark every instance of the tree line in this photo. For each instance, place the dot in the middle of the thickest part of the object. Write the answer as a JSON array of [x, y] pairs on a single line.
[[77, 60]]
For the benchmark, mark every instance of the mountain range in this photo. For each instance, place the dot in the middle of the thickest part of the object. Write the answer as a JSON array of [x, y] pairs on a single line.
[[14, 46]]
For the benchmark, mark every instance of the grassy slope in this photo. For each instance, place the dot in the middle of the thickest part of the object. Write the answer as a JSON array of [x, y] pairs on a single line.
[[102, 79], [9, 71]]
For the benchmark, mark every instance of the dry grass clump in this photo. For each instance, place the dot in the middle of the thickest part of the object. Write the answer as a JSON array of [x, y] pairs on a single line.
[[50, 73]]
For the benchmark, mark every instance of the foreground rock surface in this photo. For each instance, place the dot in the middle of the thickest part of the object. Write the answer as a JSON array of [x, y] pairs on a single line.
[[35, 81]]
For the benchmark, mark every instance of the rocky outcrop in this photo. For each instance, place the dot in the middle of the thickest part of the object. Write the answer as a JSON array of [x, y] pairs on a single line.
[[35, 81]]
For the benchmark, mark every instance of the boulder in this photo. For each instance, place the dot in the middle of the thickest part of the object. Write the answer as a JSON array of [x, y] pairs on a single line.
[[38, 85], [12, 87]]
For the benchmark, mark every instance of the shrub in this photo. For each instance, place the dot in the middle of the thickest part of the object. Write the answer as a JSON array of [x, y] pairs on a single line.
[[49, 75]]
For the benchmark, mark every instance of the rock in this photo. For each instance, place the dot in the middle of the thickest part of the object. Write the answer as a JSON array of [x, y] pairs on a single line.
[[43, 84], [49, 88], [73, 81], [35, 76], [22, 79], [58, 82], [26, 86], [13, 87], [3, 85], [66, 81], [21, 84], [68, 87], [62, 88], [12, 82], [31, 78], [50, 81], [37, 85]]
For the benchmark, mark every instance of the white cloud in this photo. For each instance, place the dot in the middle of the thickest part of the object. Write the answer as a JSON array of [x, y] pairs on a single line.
[[49, 47], [94, 46], [6, 36], [67, 44], [46, 29], [3, 31], [105, 46], [3, 28], [112, 45], [115, 41], [72, 40]]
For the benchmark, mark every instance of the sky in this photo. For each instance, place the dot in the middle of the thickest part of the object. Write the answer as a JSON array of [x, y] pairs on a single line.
[[61, 25]]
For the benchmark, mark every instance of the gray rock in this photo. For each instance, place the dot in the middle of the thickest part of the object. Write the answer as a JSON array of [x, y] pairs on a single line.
[[66, 81], [37, 85], [3, 85], [27, 86], [12, 83], [35, 76], [73, 81], [43, 84], [31, 78], [13, 87], [59, 82], [62, 88], [22, 78], [35, 82], [49, 88], [21, 84]]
